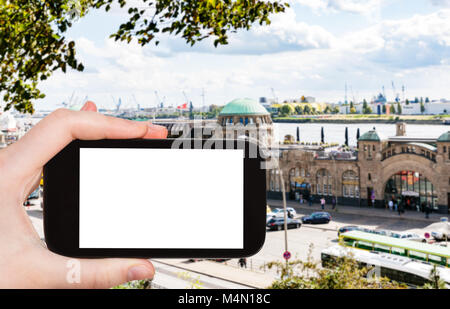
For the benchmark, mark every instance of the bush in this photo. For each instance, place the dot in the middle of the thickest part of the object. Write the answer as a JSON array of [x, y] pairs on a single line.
[[344, 273]]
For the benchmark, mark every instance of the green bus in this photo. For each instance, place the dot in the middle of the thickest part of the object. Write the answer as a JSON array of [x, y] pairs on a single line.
[[407, 248]]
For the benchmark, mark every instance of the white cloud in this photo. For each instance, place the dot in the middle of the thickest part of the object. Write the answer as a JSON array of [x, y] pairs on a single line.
[[414, 42], [364, 7], [309, 60], [440, 2], [285, 33]]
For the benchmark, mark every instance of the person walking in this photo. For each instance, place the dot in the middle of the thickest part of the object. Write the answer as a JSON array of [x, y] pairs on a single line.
[[427, 210], [333, 203], [290, 215], [372, 196], [391, 205], [396, 206], [243, 263], [322, 203], [400, 208], [310, 201]]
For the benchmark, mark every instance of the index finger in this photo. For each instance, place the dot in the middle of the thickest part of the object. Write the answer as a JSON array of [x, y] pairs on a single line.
[[55, 131]]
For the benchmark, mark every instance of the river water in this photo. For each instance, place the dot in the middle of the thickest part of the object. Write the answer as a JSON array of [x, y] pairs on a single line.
[[310, 132]]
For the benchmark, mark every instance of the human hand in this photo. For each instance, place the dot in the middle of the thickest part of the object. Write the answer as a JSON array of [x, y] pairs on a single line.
[[24, 260]]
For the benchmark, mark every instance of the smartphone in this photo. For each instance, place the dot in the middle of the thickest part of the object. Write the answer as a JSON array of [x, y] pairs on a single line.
[[155, 199]]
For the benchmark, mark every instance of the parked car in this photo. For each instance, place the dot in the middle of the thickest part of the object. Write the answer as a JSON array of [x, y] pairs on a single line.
[[277, 223], [439, 236], [407, 236], [279, 212], [317, 218], [269, 216], [347, 228]]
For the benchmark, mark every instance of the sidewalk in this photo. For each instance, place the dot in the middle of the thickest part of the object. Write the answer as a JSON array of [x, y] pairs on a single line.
[[361, 211], [225, 272]]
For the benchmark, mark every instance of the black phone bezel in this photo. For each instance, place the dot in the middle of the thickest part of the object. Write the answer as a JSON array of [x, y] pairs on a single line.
[[61, 202]]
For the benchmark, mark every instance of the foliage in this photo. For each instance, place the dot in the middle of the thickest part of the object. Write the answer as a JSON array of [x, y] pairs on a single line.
[[344, 273], [299, 110], [32, 47], [435, 280], [392, 109], [352, 110], [33, 43], [138, 284], [399, 108], [194, 283], [366, 108], [286, 110], [307, 110]]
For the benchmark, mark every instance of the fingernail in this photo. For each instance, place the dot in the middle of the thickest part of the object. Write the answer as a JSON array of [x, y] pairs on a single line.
[[89, 106], [140, 272], [157, 131]]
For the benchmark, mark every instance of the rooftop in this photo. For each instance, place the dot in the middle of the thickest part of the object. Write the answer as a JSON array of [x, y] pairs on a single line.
[[244, 106], [371, 136], [444, 137]]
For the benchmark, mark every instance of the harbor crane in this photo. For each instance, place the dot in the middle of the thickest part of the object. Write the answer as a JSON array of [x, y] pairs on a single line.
[[274, 95], [118, 104], [396, 95], [159, 103], [135, 101]]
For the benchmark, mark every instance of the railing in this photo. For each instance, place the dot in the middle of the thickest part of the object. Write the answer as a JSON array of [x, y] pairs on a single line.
[[338, 156], [253, 265], [427, 155]]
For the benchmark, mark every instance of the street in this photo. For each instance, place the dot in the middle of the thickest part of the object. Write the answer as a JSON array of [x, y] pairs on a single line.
[[181, 274]]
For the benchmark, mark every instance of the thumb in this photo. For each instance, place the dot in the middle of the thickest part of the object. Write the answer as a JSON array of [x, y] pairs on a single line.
[[101, 273], [107, 273]]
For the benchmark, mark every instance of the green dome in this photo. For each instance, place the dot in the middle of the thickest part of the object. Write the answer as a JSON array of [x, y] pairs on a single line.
[[243, 107], [371, 136], [444, 137]]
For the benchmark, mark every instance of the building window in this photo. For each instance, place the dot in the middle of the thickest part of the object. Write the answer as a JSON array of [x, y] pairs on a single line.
[[324, 181], [350, 184], [445, 149], [369, 176]]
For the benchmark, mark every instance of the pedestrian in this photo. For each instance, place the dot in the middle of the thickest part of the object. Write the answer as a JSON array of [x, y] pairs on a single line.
[[400, 209], [290, 215], [396, 206], [427, 210], [322, 203], [333, 203], [310, 201], [391, 205], [373, 198], [301, 199], [243, 263]]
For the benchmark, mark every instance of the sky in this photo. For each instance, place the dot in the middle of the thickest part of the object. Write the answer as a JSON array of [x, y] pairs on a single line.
[[314, 49]]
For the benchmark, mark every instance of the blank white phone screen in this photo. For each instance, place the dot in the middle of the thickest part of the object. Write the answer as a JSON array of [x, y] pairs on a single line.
[[161, 198]]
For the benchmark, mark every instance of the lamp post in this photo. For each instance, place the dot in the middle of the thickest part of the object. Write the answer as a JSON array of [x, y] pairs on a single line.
[[335, 181], [283, 191]]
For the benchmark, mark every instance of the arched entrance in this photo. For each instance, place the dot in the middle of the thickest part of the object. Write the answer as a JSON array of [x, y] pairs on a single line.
[[300, 189], [412, 189]]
